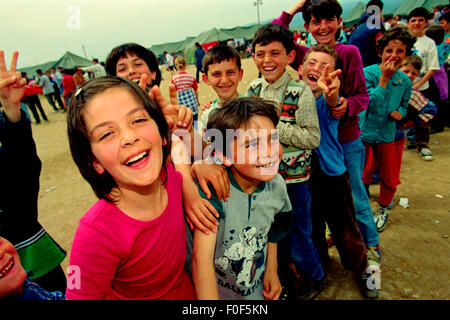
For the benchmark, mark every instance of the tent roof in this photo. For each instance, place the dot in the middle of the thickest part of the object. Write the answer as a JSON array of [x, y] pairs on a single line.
[[68, 60], [354, 16], [407, 5]]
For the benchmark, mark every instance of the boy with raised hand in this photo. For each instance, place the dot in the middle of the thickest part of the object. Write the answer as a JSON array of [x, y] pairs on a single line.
[[330, 174], [322, 20], [21, 168], [426, 49], [273, 51], [240, 260]]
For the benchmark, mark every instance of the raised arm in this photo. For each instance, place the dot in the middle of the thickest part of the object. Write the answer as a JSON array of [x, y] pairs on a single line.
[[12, 87]]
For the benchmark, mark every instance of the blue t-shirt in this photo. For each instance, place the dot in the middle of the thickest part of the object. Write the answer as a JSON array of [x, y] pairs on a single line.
[[330, 152]]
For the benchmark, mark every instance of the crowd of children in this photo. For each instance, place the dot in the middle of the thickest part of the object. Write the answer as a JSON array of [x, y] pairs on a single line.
[[248, 220]]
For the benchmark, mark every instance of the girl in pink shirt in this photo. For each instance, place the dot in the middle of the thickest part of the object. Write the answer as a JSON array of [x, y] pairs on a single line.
[[131, 244]]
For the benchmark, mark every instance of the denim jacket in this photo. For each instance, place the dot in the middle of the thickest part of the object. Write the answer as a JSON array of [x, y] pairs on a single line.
[[375, 123]]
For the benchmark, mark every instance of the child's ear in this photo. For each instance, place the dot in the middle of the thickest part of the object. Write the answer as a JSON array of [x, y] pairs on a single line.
[[340, 22], [300, 71], [205, 79], [241, 74], [98, 167], [291, 56], [164, 141], [306, 26], [227, 162]]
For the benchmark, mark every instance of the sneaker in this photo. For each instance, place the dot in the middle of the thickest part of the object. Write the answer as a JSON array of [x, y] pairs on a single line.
[[381, 218], [309, 289], [370, 282], [411, 145], [426, 154]]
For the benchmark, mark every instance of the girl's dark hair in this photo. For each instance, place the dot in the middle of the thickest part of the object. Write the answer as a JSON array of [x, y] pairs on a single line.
[[79, 139], [396, 33], [274, 32], [327, 9], [236, 113], [145, 54], [219, 54]]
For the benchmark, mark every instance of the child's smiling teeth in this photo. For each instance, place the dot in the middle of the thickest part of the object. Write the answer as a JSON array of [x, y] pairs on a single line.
[[136, 158], [7, 269], [269, 68]]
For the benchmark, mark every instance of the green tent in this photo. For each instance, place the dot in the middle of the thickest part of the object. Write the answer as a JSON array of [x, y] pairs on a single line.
[[408, 5], [187, 46], [354, 16], [69, 60]]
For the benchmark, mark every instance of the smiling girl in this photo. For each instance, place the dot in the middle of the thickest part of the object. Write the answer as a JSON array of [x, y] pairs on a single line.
[[131, 244]]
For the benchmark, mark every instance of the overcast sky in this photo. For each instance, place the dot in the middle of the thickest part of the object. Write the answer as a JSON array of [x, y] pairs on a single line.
[[43, 30]]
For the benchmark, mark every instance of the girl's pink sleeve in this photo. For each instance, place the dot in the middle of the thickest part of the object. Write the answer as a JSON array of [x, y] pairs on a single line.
[[93, 263], [284, 20]]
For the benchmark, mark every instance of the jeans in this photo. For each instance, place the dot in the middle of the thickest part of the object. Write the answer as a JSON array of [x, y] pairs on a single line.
[[332, 203], [354, 157], [301, 247]]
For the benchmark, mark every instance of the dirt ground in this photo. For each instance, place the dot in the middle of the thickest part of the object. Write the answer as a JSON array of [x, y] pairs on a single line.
[[415, 245]]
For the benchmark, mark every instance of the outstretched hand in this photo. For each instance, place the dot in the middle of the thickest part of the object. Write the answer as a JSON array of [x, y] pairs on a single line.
[[177, 116], [329, 83], [12, 87]]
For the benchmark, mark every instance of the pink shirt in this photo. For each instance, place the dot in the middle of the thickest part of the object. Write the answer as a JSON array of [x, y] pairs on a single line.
[[123, 258]]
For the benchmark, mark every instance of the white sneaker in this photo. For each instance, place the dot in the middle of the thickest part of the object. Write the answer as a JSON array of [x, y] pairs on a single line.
[[381, 218], [426, 154]]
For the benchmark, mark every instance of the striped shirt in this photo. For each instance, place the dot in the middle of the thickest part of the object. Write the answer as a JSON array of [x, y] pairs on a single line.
[[184, 81]]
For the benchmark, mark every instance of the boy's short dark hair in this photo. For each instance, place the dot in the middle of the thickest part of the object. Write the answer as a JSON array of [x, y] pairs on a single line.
[[397, 33], [79, 139], [145, 54], [236, 113], [419, 12], [437, 33], [321, 9], [274, 32], [414, 60], [39, 71], [325, 49], [377, 3], [221, 53]]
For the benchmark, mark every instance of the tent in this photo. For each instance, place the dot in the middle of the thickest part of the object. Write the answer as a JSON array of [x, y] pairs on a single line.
[[187, 46], [68, 60], [408, 5], [354, 16]]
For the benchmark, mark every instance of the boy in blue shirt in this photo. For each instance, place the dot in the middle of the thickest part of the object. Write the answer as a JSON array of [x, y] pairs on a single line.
[[330, 176]]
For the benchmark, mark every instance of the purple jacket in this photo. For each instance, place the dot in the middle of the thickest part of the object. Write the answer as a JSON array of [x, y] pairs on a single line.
[[353, 82]]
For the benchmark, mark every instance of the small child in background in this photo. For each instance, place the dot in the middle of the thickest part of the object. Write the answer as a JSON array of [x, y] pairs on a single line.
[[131, 61], [222, 71], [187, 88], [240, 260], [389, 92], [131, 244]]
